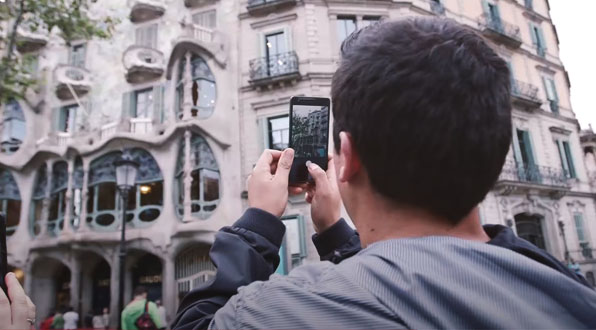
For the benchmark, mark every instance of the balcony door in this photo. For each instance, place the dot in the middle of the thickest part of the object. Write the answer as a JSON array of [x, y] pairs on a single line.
[[529, 227], [524, 157], [276, 47], [493, 15]]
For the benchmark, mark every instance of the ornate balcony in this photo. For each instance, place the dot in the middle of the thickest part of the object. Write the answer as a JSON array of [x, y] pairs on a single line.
[[30, 41], [146, 10], [525, 95], [274, 69], [263, 7], [197, 3], [71, 79], [500, 31], [143, 64], [522, 178]]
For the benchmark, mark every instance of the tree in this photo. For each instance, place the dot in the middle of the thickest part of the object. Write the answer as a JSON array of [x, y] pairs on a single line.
[[70, 19]]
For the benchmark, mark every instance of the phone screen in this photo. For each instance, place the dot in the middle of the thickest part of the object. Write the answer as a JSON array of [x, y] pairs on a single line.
[[309, 135]]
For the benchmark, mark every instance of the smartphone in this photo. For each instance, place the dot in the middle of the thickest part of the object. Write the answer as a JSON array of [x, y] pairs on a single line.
[[3, 253], [309, 135]]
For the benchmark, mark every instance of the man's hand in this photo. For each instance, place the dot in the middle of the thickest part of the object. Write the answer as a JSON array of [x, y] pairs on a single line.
[[323, 196], [268, 183], [19, 313]]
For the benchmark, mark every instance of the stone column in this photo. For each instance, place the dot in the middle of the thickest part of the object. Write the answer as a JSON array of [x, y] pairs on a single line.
[[75, 283], [67, 228], [187, 78], [84, 196], [169, 289], [114, 283], [187, 177], [45, 212]]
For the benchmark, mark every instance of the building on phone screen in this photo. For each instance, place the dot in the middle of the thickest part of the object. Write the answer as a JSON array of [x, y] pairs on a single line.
[[195, 90]]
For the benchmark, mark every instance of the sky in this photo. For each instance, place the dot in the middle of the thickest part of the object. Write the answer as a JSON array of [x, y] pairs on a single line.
[[575, 21]]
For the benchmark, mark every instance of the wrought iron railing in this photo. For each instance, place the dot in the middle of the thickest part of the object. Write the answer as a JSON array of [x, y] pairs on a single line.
[[524, 90], [274, 66], [534, 174], [500, 26]]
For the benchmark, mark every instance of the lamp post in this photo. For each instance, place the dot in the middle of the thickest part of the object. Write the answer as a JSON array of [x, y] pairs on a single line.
[[126, 175]]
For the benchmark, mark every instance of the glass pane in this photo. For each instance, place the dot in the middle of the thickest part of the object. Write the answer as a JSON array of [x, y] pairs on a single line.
[[151, 193], [211, 185], [195, 187], [206, 93], [54, 201], [149, 215], [275, 44], [132, 198], [90, 199], [279, 132], [205, 19], [105, 219], [106, 196], [345, 27], [13, 212], [293, 236], [144, 102], [369, 20], [37, 208]]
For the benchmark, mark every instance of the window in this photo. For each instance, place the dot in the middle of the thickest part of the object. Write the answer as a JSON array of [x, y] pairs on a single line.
[[67, 118], [202, 88], [77, 56], [145, 200], [39, 194], [146, 36], [58, 198], [529, 4], [551, 94], [524, 157], [566, 158], [579, 227], [529, 227], [369, 20], [144, 103], [293, 250], [538, 39], [205, 185], [493, 16], [275, 49], [205, 19], [12, 127], [10, 201], [278, 132], [345, 26]]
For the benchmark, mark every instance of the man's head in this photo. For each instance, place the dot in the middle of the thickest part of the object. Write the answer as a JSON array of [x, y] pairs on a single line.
[[140, 291], [422, 116], [105, 310], [158, 302]]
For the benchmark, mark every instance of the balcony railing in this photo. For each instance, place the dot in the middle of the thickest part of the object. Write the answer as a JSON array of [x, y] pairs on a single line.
[[259, 7], [199, 33], [583, 254], [146, 10], [534, 174], [500, 31], [143, 64], [525, 95], [71, 78], [275, 68]]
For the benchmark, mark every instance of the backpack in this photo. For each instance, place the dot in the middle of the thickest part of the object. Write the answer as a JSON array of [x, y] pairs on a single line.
[[144, 322]]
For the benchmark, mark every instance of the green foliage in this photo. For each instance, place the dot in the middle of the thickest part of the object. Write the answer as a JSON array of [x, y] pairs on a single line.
[[68, 17]]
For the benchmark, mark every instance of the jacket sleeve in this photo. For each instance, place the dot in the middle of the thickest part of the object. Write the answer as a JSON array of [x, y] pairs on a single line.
[[337, 243], [246, 252]]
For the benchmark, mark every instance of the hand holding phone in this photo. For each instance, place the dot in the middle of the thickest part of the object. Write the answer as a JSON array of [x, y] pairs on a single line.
[[309, 135]]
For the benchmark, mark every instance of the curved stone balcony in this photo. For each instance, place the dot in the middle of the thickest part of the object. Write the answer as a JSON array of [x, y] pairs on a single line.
[[197, 3], [500, 31], [71, 79], [146, 10], [143, 64], [29, 41]]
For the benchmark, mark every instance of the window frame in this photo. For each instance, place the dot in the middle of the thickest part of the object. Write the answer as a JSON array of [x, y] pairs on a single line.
[[147, 35], [289, 260], [79, 60], [269, 131]]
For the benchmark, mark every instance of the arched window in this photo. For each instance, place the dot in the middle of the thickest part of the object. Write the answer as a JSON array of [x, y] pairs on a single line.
[[12, 127], [77, 193], [10, 201], [145, 200], [204, 190], [202, 88], [58, 198], [39, 194]]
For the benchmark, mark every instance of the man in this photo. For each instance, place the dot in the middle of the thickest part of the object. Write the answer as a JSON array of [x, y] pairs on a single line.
[[71, 318], [422, 126], [136, 308]]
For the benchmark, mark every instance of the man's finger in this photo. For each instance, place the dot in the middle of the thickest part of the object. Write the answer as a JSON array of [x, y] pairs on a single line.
[[267, 158], [4, 308], [284, 165], [18, 299], [320, 177], [308, 197], [295, 190]]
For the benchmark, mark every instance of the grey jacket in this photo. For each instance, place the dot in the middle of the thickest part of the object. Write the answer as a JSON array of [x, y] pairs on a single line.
[[431, 282]]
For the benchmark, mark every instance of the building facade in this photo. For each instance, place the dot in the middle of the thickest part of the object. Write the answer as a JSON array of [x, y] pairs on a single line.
[[195, 90]]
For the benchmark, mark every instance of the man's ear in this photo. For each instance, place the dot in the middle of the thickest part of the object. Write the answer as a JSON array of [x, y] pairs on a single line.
[[350, 161]]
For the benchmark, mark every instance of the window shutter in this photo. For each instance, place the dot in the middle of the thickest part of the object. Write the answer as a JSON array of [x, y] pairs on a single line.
[[153, 36], [497, 13], [128, 110], [158, 104], [139, 36], [579, 227], [58, 119], [82, 115], [516, 149], [562, 156], [554, 90], [528, 145], [546, 89], [288, 39], [264, 132], [533, 34], [569, 159], [511, 75], [262, 44], [486, 8], [541, 37], [282, 269]]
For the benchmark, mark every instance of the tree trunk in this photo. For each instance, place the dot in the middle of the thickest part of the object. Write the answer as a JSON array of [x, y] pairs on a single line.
[[11, 43]]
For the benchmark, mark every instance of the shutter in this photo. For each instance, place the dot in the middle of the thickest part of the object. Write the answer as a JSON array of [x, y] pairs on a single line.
[[516, 149], [288, 39], [497, 13], [262, 44], [579, 227], [139, 36], [153, 36], [58, 119], [486, 8], [569, 159], [533, 34], [528, 145], [128, 106], [158, 104], [264, 132], [553, 90], [546, 89], [541, 37], [511, 76]]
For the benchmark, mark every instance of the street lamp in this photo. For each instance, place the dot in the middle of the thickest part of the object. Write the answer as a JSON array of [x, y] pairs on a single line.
[[126, 175]]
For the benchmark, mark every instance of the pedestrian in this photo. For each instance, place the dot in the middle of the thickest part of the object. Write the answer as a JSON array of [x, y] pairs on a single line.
[[46, 324], [422, 127], [58, 322], [98, 321], [71, 319], [162, 312], [106, 317], [141, 313]]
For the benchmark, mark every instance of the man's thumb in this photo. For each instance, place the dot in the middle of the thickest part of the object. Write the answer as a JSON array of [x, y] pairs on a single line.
[[317, 174]]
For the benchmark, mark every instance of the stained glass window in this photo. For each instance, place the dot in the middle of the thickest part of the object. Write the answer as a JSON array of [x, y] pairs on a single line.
[[10, 201]]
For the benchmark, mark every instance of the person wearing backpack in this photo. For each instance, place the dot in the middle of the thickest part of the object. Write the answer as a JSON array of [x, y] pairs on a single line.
[[140, 313]]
